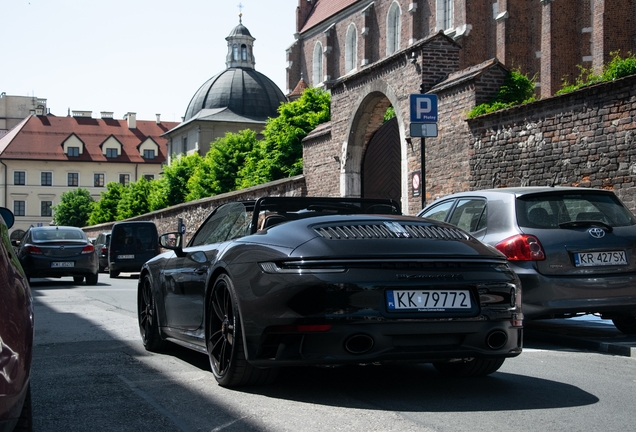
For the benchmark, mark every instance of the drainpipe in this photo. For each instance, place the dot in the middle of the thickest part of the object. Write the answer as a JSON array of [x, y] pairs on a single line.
[[5, 183]]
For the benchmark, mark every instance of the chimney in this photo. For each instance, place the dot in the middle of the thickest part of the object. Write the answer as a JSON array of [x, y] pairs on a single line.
[[132, 120], [106, 114], [158, 118], [80, 113]]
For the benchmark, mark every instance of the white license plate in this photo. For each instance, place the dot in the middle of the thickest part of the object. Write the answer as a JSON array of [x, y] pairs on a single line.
[[427, 300], [125, 257], [586, 259], [62, 264]]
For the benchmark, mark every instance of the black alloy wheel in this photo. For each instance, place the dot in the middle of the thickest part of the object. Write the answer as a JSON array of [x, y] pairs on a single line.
[[225, 342], [147, 315], [625, 324]]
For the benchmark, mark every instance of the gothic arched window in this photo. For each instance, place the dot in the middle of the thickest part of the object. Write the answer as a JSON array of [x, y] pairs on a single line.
[[445, 12], [351, 49], [244, 52], [393, 29], [316, 76]]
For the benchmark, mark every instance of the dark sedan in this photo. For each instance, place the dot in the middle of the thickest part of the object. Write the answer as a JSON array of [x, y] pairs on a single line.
[[329, 281], [57, 251], [574, 249], [16, 336]]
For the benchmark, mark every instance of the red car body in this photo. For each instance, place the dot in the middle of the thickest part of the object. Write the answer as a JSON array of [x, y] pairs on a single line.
[[16, 335]]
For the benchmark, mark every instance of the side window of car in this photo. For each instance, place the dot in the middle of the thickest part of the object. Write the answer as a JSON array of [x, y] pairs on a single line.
[[227, 222], [469, 214], [439, 211]]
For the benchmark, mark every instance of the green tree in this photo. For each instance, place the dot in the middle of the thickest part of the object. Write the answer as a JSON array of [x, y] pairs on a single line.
[[105, 210], [279, 154], [74, 208], [134, 199], [174, 183], [218, 170]]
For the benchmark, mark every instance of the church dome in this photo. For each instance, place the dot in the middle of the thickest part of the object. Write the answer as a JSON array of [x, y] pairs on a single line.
[[244, 91], [239, 89]]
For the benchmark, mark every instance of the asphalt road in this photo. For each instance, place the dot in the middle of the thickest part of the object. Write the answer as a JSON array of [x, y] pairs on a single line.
[[91, 373]]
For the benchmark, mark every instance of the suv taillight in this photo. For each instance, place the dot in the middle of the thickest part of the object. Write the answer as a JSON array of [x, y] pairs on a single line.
[[522, 247]]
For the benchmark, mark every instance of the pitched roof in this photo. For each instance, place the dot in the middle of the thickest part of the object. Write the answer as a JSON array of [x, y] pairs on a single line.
[[42, 138], [324, 9]]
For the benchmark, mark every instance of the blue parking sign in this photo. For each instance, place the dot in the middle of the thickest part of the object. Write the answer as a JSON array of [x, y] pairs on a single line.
[[423, 108]]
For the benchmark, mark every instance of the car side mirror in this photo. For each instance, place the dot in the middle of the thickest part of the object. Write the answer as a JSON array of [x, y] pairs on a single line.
[[172, 241]]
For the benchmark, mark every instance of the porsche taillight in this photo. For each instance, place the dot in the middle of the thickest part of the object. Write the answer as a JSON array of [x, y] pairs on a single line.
[[88, 249], [33, 250], [522, 247]]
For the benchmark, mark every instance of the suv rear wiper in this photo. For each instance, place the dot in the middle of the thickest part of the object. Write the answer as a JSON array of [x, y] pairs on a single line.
[[586, 224]]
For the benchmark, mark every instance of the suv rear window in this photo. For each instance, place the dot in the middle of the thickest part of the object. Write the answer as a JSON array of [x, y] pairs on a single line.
[[551, 210]]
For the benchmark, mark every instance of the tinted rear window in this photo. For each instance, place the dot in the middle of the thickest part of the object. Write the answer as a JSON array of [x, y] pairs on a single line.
[[550, 210]]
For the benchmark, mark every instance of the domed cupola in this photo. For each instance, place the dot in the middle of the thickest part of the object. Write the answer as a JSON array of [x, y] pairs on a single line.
[[240, 45], [239, 93]]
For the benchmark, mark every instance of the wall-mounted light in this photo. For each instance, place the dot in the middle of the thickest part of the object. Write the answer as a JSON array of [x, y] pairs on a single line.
[[413, 58]]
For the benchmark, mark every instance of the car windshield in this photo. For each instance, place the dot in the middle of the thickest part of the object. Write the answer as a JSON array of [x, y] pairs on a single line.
[[58, 234], [228, 222], [551, 210]]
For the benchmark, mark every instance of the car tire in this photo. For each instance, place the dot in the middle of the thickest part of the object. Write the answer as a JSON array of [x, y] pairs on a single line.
[[25, 422], [92, 279], [147, 317], [113, 274], [625, 324], [473, 368], [78, 279], [224, 340]]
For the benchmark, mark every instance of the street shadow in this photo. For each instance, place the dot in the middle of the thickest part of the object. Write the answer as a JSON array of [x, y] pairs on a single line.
[[420, 388]]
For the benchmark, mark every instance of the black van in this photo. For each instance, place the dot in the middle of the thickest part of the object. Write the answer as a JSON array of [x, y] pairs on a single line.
[[131, 245]]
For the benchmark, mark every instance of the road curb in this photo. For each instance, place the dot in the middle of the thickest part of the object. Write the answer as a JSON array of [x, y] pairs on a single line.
[[590, 336]]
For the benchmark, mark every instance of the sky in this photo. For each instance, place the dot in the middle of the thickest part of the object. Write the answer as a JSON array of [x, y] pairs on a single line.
[[143, 56]]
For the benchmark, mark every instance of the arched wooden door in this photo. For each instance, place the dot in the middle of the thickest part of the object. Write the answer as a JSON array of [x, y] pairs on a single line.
[[381, 164]]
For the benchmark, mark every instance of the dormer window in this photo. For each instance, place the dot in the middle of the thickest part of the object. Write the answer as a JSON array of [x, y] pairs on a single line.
[[72, 151], [149, 154], [111, 153]]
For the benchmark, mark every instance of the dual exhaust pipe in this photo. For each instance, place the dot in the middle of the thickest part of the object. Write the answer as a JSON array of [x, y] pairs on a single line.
[[361, 343]]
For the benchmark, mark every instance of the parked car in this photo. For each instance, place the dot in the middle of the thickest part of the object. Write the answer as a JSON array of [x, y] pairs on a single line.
[[57, 251], [131, 245], [101, 246], [574, 249], [329, 281], [16, 335]]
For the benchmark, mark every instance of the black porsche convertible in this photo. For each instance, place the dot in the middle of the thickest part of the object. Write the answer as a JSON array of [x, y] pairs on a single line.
[[283, 281]]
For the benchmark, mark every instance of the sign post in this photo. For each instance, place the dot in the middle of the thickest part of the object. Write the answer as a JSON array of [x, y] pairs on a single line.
[[423, 124]]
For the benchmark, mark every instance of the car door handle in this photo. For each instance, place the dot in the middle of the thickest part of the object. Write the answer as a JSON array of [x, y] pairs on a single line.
[[201, 270]]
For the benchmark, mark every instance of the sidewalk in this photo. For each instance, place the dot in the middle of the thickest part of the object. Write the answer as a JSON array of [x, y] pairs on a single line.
[[588, 333]]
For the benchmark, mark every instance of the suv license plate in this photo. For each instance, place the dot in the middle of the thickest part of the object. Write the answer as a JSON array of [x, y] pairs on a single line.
[[62, 264], [125, 257], [427, 300], [587, 259]]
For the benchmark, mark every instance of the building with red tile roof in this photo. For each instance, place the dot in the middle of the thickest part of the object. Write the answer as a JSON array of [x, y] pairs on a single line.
[[45, 156]]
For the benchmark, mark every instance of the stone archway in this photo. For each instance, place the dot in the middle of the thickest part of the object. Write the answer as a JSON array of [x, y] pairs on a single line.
[[375, 97]]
